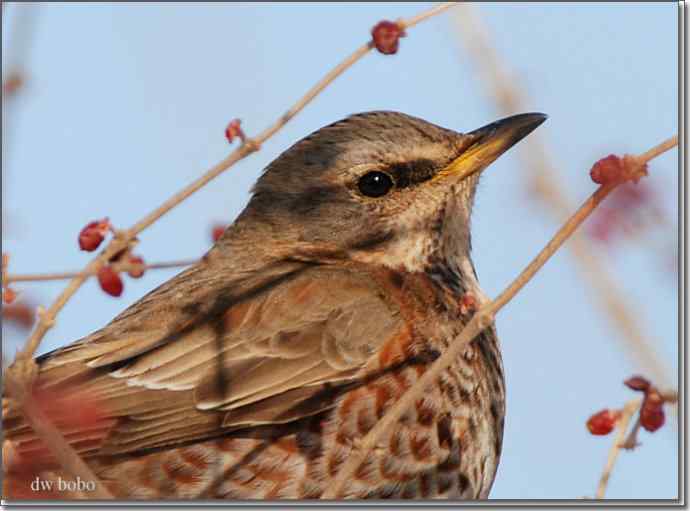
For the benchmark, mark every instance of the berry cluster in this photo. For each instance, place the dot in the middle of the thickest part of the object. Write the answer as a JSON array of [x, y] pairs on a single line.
[[652, 415], [90, 238]]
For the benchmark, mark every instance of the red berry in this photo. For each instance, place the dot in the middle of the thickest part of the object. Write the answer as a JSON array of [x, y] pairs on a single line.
[[652, 411], [138, 267], [234, 130], [603, 422], [217, 231], [110, 281], [652, 417], [386, 36], [8, 295], [92, 235], [607, 170], [638, 383]]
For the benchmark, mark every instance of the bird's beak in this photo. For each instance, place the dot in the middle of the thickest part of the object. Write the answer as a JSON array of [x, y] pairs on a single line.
[[486, 144]]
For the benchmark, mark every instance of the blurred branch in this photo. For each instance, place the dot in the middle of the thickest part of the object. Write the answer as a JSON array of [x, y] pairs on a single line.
[[509, 99], [634, 168], [21, 35], [618, 443]]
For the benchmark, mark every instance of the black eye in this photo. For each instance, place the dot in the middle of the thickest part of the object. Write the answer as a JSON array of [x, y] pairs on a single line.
[[375, 184]]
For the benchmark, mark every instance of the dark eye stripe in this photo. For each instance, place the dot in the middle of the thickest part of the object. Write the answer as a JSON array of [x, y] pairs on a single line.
[[412, 173]]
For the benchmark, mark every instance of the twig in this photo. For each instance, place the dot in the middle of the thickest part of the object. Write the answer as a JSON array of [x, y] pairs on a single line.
[[22, 32], [124, 266], [509, 98], [618, 443], [659, 149], [438, 9], [481, 320]]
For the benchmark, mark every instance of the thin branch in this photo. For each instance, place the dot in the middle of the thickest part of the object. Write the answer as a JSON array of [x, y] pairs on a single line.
[[438, 9], [618, 443], [120, 267], [482, 319], [509, 98], [659, 149]]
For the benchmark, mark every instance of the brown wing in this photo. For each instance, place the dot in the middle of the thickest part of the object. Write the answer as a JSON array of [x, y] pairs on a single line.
[[195, 357]]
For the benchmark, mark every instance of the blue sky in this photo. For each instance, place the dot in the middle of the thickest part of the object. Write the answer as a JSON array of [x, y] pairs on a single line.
[[127, 103]]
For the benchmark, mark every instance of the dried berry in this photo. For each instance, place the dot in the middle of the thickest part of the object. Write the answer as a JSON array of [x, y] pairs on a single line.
[[110, 281], [638, 383], [217, 231], [386, 36], [652, 415], [8, 295], [234, 130], [92, 235], [652, 418], [603, 422], [607, 170], [137, 267]]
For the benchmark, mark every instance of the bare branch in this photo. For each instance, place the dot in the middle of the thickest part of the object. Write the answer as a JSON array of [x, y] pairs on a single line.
[[123, 266]]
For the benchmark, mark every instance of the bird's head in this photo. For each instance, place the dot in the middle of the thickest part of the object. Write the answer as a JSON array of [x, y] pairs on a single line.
[[381, 187]]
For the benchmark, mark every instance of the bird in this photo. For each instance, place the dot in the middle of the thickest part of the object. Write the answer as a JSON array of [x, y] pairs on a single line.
[[254, 373]]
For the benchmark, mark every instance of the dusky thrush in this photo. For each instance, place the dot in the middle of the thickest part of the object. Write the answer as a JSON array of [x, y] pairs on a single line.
[[254, 373]]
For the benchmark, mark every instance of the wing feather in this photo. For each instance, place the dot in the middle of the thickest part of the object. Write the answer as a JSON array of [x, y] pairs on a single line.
[[226, 355]]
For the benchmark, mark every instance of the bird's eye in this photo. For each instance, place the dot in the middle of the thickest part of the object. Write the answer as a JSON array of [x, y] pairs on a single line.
[[375, 184]]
